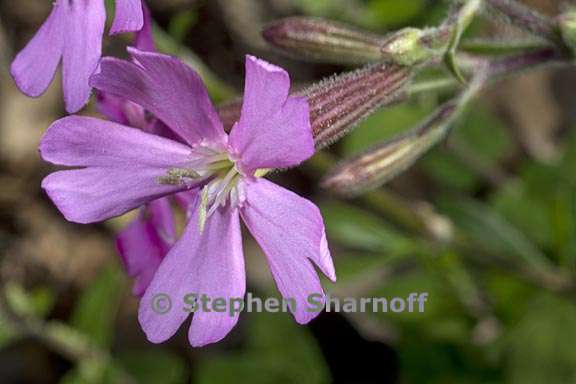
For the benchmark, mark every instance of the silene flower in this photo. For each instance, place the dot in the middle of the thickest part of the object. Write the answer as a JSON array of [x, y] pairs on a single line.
[[119, 168], [72, 33]]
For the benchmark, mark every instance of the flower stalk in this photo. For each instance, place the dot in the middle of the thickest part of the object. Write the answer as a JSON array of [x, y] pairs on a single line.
[[457, 24], [527, 19]]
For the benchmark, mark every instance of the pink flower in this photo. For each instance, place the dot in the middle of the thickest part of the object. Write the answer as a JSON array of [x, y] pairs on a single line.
[[72, 33], [121, 168]]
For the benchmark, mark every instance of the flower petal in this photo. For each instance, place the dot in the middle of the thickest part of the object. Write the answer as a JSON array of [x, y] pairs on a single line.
[[145, 241], [87, 141], [34, 67], [290, 230], [144, 38], [166, 87], [112, 107], [124, 165], [209, 263], [274, 130], [131, 114], [95, 194], [128, 17], [161, 216], [85, 21], [187, 201], [265, 91]]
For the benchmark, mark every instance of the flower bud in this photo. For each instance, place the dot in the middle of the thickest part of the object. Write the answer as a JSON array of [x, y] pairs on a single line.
[[317, 39], [385, 161], [323, 40], [339, 104]]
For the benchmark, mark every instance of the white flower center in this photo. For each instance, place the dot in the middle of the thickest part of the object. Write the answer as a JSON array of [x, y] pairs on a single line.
[[218, 175]]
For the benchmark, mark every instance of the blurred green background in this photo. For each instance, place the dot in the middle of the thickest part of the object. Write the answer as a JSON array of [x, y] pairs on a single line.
[[485, 223]]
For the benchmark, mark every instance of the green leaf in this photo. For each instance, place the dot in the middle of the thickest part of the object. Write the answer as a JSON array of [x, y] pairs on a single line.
[[540, 348], [154, 366], [485, 134], [95, 312], [489, 231], [361, 229], [441, 303], [541, 203], [445, 168], [503, 289], [528, 213], [479, 135], [352, 267]]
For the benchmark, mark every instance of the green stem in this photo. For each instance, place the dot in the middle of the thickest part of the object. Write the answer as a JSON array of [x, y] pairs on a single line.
[[494, 48], [459, 23], [436, 85]]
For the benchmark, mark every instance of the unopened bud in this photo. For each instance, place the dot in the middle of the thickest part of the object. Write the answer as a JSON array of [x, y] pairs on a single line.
[[323, 40], [383, 162], [339, 104], [411, 46]]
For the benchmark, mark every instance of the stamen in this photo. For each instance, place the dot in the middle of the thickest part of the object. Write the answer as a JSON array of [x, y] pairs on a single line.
[[224, 187], [202, 209], [222, 164]]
